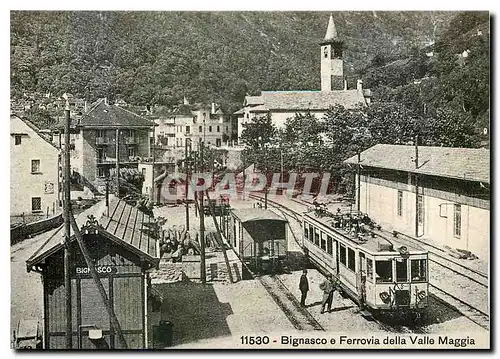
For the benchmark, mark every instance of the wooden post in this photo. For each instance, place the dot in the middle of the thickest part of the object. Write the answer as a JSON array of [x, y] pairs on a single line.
[[358, 189], [187, 179], [97, 281], [221, 242], [67, 227], [416, 187], [117, 153], [201, 211]]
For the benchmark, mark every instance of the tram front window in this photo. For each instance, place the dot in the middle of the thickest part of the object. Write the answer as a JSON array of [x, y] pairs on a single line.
[[419, 270], [383, 271], [401, 270]]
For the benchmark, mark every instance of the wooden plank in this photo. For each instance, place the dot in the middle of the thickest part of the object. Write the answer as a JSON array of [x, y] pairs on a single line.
[[113, 207], [118, 214], [122, 225]]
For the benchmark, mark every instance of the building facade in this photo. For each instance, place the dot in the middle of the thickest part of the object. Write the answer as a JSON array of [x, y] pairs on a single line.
[[282, 105], [192, 124], [103, 135], [34, 170], [444, 197]]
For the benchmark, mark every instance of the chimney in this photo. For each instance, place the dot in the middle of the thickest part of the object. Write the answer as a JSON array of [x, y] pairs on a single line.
[[213, 108], [360, 85], [345, 84]]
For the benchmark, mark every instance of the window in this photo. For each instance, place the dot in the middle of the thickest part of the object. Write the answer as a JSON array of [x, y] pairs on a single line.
[[100, 155], [369, 270], [17, 139], [35, 166], [131, 151], [200, 129], [401, 270], [144, 172], [351, 259], [383, 271], [325, 52], [418, 270], [100, 172], [130, 133], [306, 231], [188, 129], [311, 233], [400, 203], [218, 128], [420, 209], [36, 204], [209, 128], [316, 237], [227, 129], [323, 241], [329, 245], [342, 255], [100, 133], [457, 220]]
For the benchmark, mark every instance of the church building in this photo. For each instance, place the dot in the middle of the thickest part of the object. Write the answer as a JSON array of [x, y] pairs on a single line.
[[282, 105]]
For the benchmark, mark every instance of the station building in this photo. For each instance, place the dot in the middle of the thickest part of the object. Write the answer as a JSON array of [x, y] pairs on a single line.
[[444, 196], [122, 242]]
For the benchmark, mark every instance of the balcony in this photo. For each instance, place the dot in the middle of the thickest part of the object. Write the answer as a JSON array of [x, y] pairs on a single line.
[[102, 141], [105, 160], [131, 141]]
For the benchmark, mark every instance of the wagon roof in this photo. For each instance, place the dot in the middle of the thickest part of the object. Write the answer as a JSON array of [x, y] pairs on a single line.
[[256, 214], [123, 224], [371, 244]]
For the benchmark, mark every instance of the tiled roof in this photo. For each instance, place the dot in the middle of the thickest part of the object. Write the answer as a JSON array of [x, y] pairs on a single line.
[[305, 100], [103, 115], [123, 224], [256, 214], [470, 164]]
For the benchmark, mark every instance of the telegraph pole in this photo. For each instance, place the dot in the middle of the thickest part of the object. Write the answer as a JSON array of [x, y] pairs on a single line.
[[416, 187], [117, 153], [67, 228], [187, 179], [358, 189], [202, 225]]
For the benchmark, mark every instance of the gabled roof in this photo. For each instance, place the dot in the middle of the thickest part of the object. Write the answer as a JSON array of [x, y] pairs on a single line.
[[256, 214], [122, 224], [105, 115], [468, 164], [306, 100], [35, 129]]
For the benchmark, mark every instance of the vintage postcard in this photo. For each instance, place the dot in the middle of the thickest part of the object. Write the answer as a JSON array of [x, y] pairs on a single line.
[[250, 180]]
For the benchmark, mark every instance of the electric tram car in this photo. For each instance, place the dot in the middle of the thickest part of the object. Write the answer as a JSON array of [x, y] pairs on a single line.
[[376, 269], [259, 237]]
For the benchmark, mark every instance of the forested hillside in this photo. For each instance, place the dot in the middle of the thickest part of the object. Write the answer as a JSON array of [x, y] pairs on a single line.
[[160, 57]]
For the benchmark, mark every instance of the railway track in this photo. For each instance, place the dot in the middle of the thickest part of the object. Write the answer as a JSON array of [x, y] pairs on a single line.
[[300, 318], [480, 279]]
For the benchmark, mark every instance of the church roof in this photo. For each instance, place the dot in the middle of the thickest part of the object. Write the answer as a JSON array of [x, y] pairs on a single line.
[[308, 100], [331, 31]]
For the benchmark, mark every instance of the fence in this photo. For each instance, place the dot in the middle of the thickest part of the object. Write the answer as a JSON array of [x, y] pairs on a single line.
[[23, 231]]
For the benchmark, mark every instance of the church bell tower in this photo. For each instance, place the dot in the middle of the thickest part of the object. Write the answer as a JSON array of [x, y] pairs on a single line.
[[332, 65]]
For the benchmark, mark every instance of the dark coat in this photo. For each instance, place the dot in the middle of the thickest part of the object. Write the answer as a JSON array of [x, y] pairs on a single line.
[[304, 283]]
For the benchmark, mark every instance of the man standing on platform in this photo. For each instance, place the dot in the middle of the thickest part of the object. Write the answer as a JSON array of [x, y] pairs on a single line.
[[328, 287], [304, 287]]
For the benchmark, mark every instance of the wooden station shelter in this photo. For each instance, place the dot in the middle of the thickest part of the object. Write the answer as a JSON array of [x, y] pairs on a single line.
[[122, 241]]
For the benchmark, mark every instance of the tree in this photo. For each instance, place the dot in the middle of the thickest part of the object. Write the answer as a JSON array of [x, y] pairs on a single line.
[[259, 133]]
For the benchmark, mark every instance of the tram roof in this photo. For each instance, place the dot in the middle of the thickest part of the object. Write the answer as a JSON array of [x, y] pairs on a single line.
[[123, 224], [257, 214], [374, 245]]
